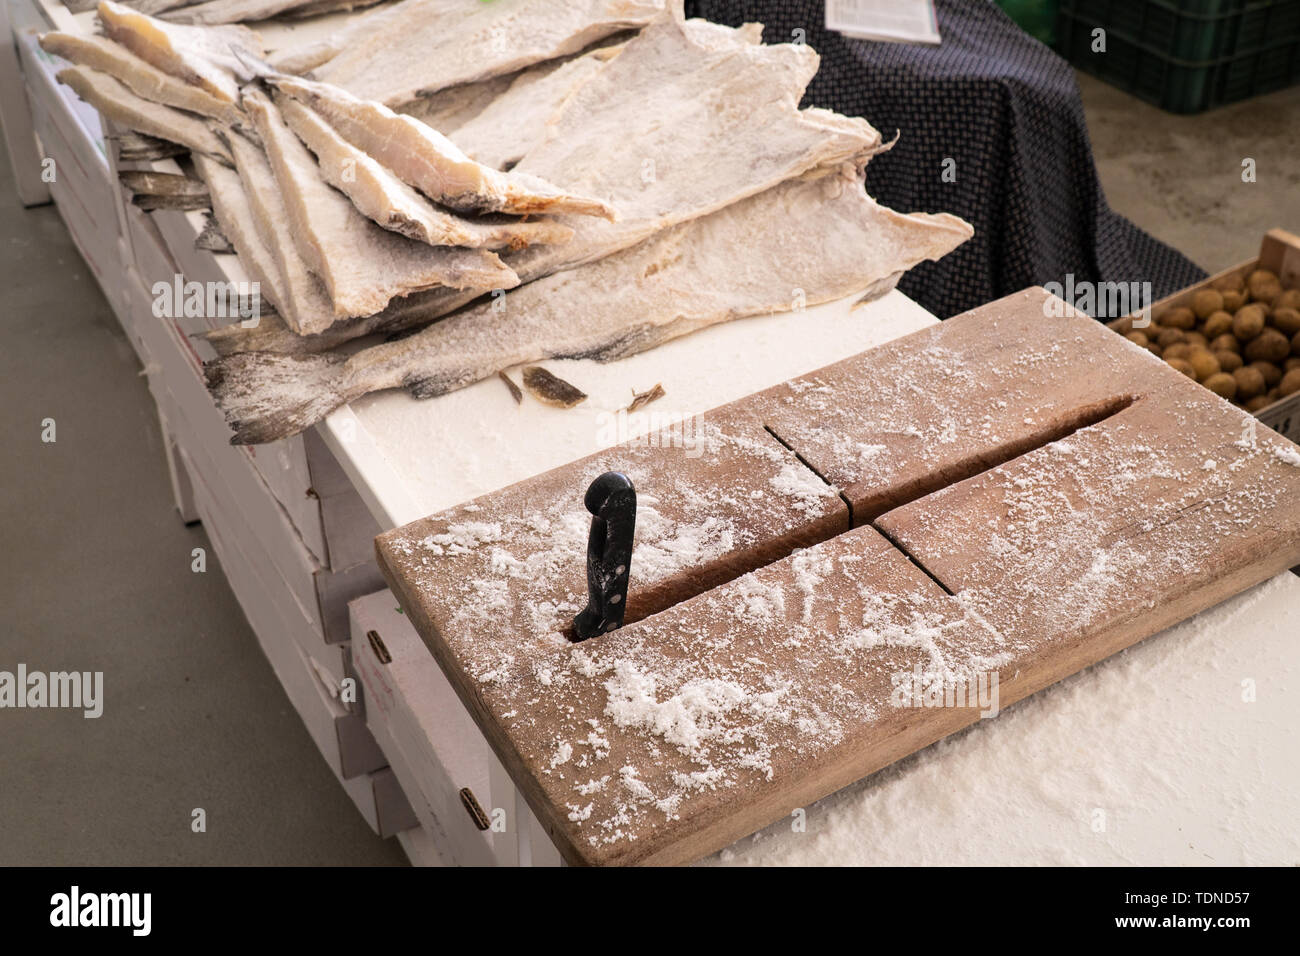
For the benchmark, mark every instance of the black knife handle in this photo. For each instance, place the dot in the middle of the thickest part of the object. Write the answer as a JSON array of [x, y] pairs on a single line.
[[611, 499]]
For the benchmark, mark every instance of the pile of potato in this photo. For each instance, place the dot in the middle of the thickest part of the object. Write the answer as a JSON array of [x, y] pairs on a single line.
[[1240, 339]]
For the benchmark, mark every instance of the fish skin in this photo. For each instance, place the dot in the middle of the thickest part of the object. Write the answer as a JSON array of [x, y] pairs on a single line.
[[212, 239], [150, 7], [453, 43], [234, 213], [388, 201], [118, 103], [300, 297], [362, 265], [212, 12], [139, 76], [405, 313], [422, 157], [204, 56], [823, 236]]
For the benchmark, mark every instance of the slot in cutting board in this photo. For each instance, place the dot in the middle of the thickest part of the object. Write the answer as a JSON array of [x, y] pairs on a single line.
[[1030, 494]]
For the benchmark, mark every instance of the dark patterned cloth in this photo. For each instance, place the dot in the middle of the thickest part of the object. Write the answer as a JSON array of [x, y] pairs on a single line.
[[1007, 110]]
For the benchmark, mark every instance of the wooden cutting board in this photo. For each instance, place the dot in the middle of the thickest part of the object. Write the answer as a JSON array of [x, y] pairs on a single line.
[[983, 508]]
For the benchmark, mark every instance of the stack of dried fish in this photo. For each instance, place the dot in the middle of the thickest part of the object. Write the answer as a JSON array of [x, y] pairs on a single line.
[[229, 11], [680, 182]]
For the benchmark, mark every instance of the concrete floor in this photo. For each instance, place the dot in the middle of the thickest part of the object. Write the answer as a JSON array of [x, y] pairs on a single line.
[[95, 571]]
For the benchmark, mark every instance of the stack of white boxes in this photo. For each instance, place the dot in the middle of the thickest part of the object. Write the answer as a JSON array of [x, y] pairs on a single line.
[[289, 530]]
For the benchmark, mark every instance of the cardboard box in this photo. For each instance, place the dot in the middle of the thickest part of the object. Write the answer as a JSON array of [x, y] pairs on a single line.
[[1280, 254]]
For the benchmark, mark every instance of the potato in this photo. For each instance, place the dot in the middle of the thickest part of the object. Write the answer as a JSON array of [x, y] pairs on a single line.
[[1204, 363], [1137, 338], [1269, 346], [1217, 324], [1272, 374], [1292, 362], [1290, 383], [1181, 317], [1225, 343], [1272, 395], [1223, 385], [1179, 350], [1289, 299], [1248, 322], [1256, 403], [1205, 303], [1263, 284], [1195, 338], [1123, 326], [1295, 344], [1183, 366], [1229, 361], [1285, 320], [1233, 300], [1250, 383], [1168, 337]]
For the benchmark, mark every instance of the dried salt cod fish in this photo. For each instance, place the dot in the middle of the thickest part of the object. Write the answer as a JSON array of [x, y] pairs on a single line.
[[391, 203], [550, 389], [151, 190], [422, 157], [402, 314], [116, 102], [208, 57], [299, 296], [823, 236], [231, 208], [515, 122], [362, 265], [212, 239], [239, 11], [137, 147], [715, 115], [140, 77], [714, 118], [420, 46]]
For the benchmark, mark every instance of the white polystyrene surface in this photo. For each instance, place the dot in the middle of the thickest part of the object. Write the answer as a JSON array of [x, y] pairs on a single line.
[[1152, 757]]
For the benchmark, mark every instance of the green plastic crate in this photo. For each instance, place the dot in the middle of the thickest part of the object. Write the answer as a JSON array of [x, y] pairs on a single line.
[[1186, 56]]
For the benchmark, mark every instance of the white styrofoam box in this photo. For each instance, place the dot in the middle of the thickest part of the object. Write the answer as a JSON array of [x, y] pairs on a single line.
[[327, 476], [380, 799], [15, 112], [339, 734], [432, 744], [421, 847], [349, 529], [152, 260], [326, 659]]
